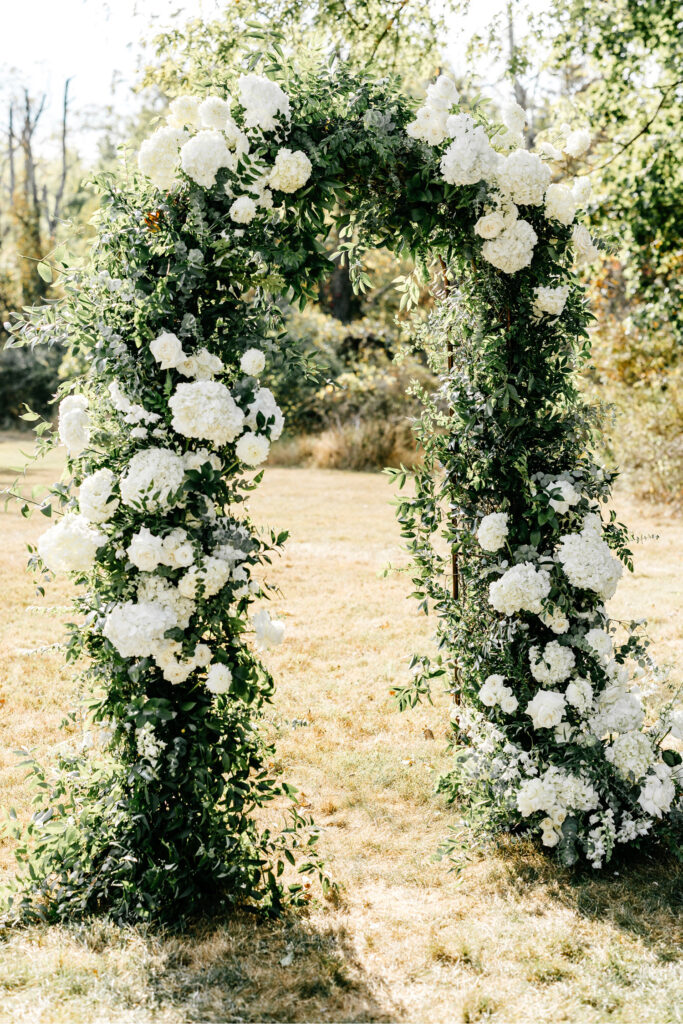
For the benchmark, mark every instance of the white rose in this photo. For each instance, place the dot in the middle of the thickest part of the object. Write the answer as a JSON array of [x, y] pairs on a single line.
[[243, 210], [585, 248], [252, 449], [546, 709], [167, 350], [70, 545], [493, 530], [253, 362], [218, 678], [489, 226], [74, 424]]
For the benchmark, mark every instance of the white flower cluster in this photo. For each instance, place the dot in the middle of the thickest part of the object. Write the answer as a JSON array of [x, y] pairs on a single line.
[[71, 544], [658, 791], [600, 642], [523, 177], [253, 362], [206, 410], [512, 249], [264, 102], [146, 551], [158, 157], [148, 743], [617, 709], [152, 478], [202, 156], [264, 405], [555, 664], [95, 499], [584, 247], [579, 694], [291, 171], [631, 754], [556, 792], [169, 353], [521, 588], [492, 531], [218, 678], [74, 424], [430, 120], [494, 691], [587, 559], [550, 300], [137, 628], [560, 204], [470, 157]]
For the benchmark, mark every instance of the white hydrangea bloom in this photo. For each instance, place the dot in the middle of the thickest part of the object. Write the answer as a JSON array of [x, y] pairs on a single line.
[[546, 709], [291, 170], [184, 111], [524, 177], [206, 410], [584, 247], [264, 102], [514, 117], [253, 362], [265, 404], [214, 112], [167, 350], [153, 475], [218, 678], [513, 249], [202, 156], [156, 589], [252, 449], [429, 126], [657, 792], [560, 204], [587, 560], [520, 588], [443, 93], [570, 496], [493, 530], [94, 498], [550, 300], [578, 142], [269, 632], [74, 424], [631, 754], [581, 190], [158, 158], [556, 792], [202, 365], [555, 664], [601, 642], [71, 544], [135, 629], [490, 225], [243, 210], [617, 709], [469, 158]]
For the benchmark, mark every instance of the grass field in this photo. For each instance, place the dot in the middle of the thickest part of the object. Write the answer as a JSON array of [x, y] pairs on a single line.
[[507, 938]]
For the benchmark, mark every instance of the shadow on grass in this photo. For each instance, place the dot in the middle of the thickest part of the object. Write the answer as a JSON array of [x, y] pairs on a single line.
[[243, 969], [638, 893]]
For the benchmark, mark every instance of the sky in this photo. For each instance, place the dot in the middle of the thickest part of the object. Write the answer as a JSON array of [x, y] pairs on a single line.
[[97, 43]]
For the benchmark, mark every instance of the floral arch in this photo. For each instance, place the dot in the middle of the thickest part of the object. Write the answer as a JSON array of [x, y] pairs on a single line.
[[177, 313]]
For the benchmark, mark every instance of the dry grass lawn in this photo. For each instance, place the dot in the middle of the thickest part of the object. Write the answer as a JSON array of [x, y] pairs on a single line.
[[507, 938]]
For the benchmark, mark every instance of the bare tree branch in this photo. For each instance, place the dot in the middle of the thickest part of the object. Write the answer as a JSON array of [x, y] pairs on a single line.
[[52, 220]]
